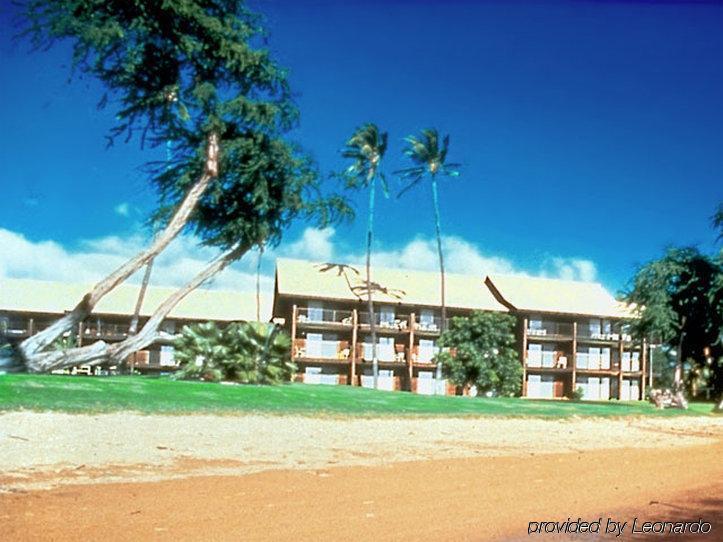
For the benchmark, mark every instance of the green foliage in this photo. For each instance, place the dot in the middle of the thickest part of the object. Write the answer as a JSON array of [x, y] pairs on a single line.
[[428, 158], [250, 353], [366, 148], [178, 71], [578, 394], [679, 300], [484, 353]]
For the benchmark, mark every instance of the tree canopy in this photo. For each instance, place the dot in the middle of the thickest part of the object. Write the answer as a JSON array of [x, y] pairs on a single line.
[[483, 353], [679, 301], [178, 71]]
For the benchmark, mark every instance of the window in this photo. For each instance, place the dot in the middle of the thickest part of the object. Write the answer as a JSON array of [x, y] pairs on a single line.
[[316, 311], [426, 316], [534, 355], [386, 314], [313, 345], [426, 350]]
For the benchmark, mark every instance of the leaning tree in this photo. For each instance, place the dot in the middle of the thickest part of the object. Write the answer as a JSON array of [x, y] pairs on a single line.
[[194, 73]]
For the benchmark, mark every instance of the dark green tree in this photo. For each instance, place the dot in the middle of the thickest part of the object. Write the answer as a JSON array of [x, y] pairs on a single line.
[[678, 299], [366, 147], [430, 160], [195, 73], [482, 352]]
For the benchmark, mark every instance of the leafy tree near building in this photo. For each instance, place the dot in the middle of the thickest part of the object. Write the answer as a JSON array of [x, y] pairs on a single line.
[[192, 73], [679, 299], [482, 353]]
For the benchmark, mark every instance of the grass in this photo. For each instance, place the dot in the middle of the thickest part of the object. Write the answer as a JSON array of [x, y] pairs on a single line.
[[163, 395]]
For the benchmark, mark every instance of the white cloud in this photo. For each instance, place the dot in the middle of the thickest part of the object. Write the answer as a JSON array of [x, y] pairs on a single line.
[[122, 209], [95, 258], [92, 259], [315, 244], [570, 269]]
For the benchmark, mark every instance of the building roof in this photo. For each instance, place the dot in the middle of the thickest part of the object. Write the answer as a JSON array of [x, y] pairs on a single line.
[[395, 286], [26, 295], [532, 294]]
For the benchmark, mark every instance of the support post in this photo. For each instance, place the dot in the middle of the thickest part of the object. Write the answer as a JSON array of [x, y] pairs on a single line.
[[79, 339], [355, 325], [294, 311], [31, 326], [621, 351], [574, 356], [410, 350], [643, 364], [524, 357]]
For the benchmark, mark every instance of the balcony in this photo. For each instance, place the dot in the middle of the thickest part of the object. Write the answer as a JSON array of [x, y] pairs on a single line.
[[587, 334], [385, 321], [547, 359], [386, 353], [424, 354], [550, 330], [321, 350], [103, 330], [429, 325], [324, 317]]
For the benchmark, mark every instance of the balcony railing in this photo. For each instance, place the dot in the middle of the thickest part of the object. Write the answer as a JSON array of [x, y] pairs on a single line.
[[429, 324], [424, 354], [324, 316], [587, 333], [387, 353], [101, 329], [548, 359], [305, 349], [386, 321], [550, 329]]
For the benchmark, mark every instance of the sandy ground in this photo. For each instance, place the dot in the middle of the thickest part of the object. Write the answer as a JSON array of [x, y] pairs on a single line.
[[133, 477]]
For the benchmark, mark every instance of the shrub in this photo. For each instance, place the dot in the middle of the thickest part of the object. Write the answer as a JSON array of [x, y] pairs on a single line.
[[248, 352]]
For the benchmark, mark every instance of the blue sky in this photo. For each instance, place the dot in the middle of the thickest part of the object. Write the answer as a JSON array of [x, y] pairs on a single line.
[[590, 133]]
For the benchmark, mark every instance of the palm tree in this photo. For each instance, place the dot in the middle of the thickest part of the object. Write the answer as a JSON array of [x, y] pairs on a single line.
[[366, 147], [430, 160]]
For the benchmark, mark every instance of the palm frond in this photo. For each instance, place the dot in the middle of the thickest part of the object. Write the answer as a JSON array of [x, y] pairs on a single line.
[[412, 184]]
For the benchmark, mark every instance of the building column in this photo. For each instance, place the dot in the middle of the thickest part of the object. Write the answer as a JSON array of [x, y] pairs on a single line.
[[524, 357], [294, 311], [643, 365], [410, 365], [355, 325], [574, 356], [621, 350]]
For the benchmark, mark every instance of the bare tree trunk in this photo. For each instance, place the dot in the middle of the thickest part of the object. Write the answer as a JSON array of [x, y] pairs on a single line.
[[141, 296], [101, 352], [32, 346], [258, 282], [438, 228], [678, 378], [370, 296]]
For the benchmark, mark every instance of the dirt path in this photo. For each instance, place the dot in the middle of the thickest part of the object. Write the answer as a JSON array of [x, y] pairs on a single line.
[[460, 499], [43, 450]]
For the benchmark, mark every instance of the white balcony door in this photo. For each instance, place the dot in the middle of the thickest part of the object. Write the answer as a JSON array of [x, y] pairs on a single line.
[[548, 355], [593, 358], [635, 363], [593, 389], [426, 350], [605, 389], [534, 355], [329, 346], [425, 383], [594, 327], [605, 358], [533, 385], [167, 356], [385, 350], [316, 311], [582, 359], [312, 375], [625, 363], [314, 345]]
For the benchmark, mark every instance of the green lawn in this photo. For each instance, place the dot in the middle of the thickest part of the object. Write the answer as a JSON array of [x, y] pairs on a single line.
[[162, 395]]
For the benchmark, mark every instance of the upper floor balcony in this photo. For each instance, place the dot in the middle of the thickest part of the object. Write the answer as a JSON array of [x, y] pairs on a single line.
[[385, 321], [324, 317], [548, 329]]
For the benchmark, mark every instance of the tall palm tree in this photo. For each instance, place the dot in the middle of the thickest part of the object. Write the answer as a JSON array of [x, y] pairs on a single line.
[[430, 160], [366, 147]]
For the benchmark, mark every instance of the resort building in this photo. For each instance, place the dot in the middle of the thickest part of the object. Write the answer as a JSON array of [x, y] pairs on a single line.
[[571, 334], [28, 306]]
